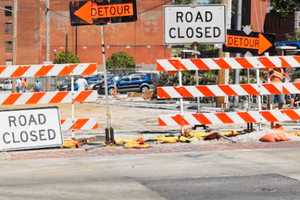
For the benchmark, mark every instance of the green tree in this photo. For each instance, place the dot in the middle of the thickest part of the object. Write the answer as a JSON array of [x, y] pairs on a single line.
[[199, 1], [284, 7], [183, 1], [120, 60], [65, 57]]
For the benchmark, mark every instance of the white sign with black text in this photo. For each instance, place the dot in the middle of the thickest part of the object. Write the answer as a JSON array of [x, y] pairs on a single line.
[[30, 128], [201, 24]]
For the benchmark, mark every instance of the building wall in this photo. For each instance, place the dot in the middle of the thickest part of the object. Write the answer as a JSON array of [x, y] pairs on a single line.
[[28, 32], [143, 39], [259, 9], [4, 37]]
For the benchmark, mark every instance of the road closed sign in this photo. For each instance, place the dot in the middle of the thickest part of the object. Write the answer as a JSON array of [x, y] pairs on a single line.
[[201, 24], [30, 129]]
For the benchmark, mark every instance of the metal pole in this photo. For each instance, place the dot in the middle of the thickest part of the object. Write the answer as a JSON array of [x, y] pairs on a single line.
[[228, 25], [47, 80], [239, 27], [109, 133], [181, 99], [76, 40], [258, 97], [73, 105], [15, 30], [47, 12], [197, 78], [66, 42]]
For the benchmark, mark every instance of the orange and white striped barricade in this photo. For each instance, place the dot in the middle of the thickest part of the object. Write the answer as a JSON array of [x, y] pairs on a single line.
[[47, 70], [227, 90], [79, 124], [205, 64], [55, 97], [229, 118], [52, 97]]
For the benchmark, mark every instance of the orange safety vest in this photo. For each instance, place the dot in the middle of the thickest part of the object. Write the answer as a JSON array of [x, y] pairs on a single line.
[[277, 75]]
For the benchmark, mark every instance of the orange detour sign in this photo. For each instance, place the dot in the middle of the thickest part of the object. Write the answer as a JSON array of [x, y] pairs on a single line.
[[256, 43], [89, 12]]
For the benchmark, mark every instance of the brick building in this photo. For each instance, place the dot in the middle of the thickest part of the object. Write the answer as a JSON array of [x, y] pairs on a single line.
[[143, 39]]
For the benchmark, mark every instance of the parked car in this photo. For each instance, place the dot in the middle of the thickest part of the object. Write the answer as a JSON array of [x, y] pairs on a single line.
[[130, 83], [100, 85], [6, 85], [65, 85], [94, 80]]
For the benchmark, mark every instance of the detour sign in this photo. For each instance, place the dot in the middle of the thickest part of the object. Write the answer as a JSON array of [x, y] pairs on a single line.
[[256, 43], [113, 10], [90, 12]]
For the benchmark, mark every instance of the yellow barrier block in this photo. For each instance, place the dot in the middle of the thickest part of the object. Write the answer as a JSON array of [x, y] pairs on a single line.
[[229, 133], [294, 133], [136, 145], [164, 139], [198, 134], [70, 144], [184, 139], [122, 141]]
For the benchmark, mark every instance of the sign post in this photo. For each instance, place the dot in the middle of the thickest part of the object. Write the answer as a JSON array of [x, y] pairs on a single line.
[[103, 13], [193, 25]]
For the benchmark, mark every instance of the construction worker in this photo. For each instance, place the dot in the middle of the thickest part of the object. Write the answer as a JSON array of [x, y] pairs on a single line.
[[278, 75], [294, 98]]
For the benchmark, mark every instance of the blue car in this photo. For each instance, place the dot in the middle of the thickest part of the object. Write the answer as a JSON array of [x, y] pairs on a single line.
[[130, 83], [91, 80]]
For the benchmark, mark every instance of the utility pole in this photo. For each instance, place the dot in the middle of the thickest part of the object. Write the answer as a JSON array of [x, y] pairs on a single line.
[[109, 131], [15, 30], [47, 13], [223, 75], [238, 27], [47, 81]]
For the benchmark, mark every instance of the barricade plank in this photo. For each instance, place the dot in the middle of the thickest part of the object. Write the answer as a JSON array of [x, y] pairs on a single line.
[[79, 124], [228, 63], [46, 70], [227, 90], [56, 97], [223, 118]]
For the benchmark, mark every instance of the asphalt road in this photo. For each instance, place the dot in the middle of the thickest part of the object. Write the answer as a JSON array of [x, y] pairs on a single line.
[[227, 175]]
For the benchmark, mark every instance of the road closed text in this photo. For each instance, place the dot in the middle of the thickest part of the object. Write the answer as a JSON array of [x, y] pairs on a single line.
[[194, 24], [192, 31], [27, 135], [30, 128]]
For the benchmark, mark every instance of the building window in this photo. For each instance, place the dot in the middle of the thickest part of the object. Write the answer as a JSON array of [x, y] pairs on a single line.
[[8, 46], [8, 62], [8, 11], [8, 28]]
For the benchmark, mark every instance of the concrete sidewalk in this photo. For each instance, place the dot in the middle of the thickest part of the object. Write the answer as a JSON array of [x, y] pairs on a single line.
[[96, 151]]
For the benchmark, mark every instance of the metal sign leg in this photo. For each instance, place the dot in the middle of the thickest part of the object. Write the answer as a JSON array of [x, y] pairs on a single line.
[[109, 132]]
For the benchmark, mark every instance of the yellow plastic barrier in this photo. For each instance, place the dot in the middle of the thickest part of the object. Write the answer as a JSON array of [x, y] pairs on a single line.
[[166, 139], [70, 144]]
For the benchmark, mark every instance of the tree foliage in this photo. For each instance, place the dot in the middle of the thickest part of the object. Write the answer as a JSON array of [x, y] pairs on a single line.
[[120, 60], [191, 1], [284, 7], [65, 57], [183, 1]]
